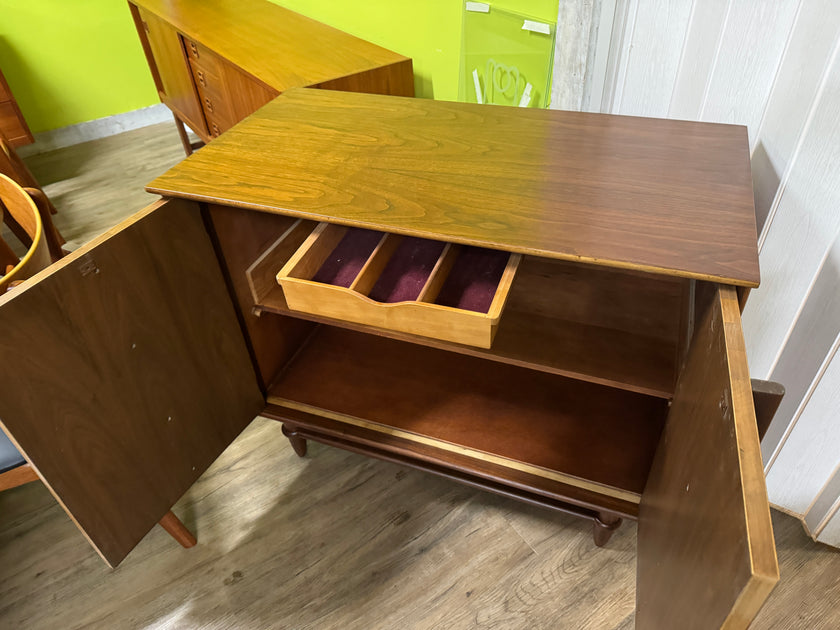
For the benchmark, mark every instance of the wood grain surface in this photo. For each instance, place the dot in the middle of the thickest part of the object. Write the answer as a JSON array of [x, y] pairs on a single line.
[[170, 68], [306, 292], [240, 237], [396, 79], [245, 32], [537, 422], [767, 396], [439, 460], [132, 378], [707, 558], [12, 123], [17, 476], [658, 195]]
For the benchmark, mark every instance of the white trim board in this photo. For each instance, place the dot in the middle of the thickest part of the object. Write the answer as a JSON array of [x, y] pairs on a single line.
[[95, 129]]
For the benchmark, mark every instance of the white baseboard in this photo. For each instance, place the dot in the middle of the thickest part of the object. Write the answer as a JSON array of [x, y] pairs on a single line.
[[95, 129]]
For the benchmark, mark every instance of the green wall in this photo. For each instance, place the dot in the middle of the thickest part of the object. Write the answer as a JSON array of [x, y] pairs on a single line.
[[68, 61], [428, 31]]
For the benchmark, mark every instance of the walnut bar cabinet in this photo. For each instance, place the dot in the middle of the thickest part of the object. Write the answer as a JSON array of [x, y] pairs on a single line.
[[607, 252], [215, 62]]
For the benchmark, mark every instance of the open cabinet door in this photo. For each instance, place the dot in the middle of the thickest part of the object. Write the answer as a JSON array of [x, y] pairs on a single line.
[[706, 557], [124, 373]]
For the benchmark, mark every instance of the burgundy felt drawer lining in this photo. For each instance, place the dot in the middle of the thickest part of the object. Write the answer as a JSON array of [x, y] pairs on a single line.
[[470, 285], [346, 261], [407, 271], [473, 279]]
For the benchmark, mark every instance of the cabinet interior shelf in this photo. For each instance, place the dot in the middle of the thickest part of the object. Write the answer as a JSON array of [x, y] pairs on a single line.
[[611, 357], [586, 435], [607, 326], [606, 356]]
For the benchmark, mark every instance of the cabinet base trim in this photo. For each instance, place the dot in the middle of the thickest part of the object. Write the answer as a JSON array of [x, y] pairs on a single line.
[[530, 469], [601, 532]]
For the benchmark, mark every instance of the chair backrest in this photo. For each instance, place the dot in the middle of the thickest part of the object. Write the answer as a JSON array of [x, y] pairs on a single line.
[[14, 168], [17, 203]]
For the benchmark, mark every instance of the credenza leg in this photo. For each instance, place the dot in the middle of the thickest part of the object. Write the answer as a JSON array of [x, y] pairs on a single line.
[[182, 133], [298, 443], [175, 528], [604, 524]]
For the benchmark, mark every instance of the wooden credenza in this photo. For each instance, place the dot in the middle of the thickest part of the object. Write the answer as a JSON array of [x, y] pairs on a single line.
[[615, 384], [215, 62]]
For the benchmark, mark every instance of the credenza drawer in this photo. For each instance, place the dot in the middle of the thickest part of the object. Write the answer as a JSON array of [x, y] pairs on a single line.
[[406, 284], [217, 113], [203, 57]]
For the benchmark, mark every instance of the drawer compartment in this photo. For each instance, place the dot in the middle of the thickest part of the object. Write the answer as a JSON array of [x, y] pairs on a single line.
[[202, 58], [400, 283]]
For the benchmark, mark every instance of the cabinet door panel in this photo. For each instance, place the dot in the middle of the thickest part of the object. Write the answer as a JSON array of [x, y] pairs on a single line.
[[170, 68], [124, 373], [706, 557]]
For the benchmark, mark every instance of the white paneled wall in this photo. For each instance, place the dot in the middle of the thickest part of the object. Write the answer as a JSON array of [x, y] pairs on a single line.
[[809, 456], [773, 66], [648, 66]]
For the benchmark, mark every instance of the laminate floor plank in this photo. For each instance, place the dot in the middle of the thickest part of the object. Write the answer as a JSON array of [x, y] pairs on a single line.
[[334, 540], [96, 184]]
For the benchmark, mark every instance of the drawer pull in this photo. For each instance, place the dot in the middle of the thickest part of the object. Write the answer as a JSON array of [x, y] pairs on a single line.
[[208, 104], [194, 49], [216, 130], [201, 78], [406, 284]]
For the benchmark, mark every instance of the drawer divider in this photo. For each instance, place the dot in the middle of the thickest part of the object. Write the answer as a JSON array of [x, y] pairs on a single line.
[[503, 288], [439, 274], [375, 264], [306, 261]]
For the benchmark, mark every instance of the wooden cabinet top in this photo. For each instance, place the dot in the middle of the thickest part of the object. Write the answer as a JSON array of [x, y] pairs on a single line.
[[665, 196], [280, 47]]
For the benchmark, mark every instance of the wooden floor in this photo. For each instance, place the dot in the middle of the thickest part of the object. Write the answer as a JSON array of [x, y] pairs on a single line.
[[334, 540]]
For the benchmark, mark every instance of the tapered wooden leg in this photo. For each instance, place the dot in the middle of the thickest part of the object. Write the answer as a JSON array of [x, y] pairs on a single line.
[[603, 527], [173, 525], [298, 443], [182, 133]]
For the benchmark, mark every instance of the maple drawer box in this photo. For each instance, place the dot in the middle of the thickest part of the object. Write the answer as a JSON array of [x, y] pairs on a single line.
[[411, 285]]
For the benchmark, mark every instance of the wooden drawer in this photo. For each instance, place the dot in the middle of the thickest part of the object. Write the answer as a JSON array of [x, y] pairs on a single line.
[[207, 82], [217, 113], [212, 95], [216, 128], [406, 284], [227, 95], [203, 57]]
